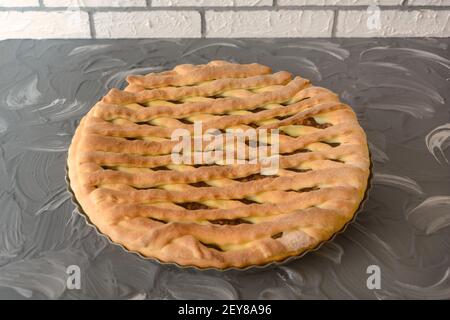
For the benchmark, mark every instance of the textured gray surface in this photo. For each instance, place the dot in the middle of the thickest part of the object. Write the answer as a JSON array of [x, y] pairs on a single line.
[[399, 88]]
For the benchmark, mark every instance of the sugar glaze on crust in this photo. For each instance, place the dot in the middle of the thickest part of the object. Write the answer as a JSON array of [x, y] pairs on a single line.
[[218, 216]]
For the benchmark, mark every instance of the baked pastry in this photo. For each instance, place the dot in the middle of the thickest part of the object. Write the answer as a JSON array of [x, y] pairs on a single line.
[[218, 215]]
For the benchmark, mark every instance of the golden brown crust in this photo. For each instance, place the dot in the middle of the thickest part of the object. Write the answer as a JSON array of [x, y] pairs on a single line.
[[218, 215]]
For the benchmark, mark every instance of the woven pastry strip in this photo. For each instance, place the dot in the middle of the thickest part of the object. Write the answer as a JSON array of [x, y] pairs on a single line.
[[217, 214]]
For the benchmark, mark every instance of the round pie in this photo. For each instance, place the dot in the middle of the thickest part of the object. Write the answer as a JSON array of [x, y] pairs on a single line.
[[219, 214]]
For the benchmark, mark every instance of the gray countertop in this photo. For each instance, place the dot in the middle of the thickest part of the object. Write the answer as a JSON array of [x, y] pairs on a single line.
[[400, 89]]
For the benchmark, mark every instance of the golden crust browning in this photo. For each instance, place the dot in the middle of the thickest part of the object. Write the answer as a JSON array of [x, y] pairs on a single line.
[[218, 215]]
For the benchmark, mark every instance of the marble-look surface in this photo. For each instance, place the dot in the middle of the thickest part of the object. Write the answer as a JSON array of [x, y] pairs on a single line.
[[400, 89]]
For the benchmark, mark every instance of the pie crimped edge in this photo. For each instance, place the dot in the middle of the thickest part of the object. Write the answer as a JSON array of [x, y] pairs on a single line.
[[349, 172]]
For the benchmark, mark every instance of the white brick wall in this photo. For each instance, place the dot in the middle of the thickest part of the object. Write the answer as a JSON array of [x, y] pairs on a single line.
[[222, 18], [151, 24], [283, 23], [41, 25], [395, 23], [21, 3], [337, 2], [216, 3], [429, 2], [94, 3]]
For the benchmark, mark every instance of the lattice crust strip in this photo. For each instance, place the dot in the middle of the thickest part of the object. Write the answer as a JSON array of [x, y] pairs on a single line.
[[219, 215]]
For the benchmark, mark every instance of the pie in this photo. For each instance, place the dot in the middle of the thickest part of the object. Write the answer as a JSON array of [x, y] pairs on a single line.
[[219, 215]]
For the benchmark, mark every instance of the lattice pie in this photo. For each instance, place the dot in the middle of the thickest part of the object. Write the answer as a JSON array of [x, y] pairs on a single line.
[[218, 214]]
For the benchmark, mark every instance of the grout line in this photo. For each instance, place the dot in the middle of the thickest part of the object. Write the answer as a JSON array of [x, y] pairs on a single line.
[[202, 24], [149, 3], [237, 9], [254, 38], [334, 26], [275, 3], [41, 3], [92, 25]]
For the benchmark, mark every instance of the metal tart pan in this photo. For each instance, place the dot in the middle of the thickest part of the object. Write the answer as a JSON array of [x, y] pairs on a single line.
[[268, 265]]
